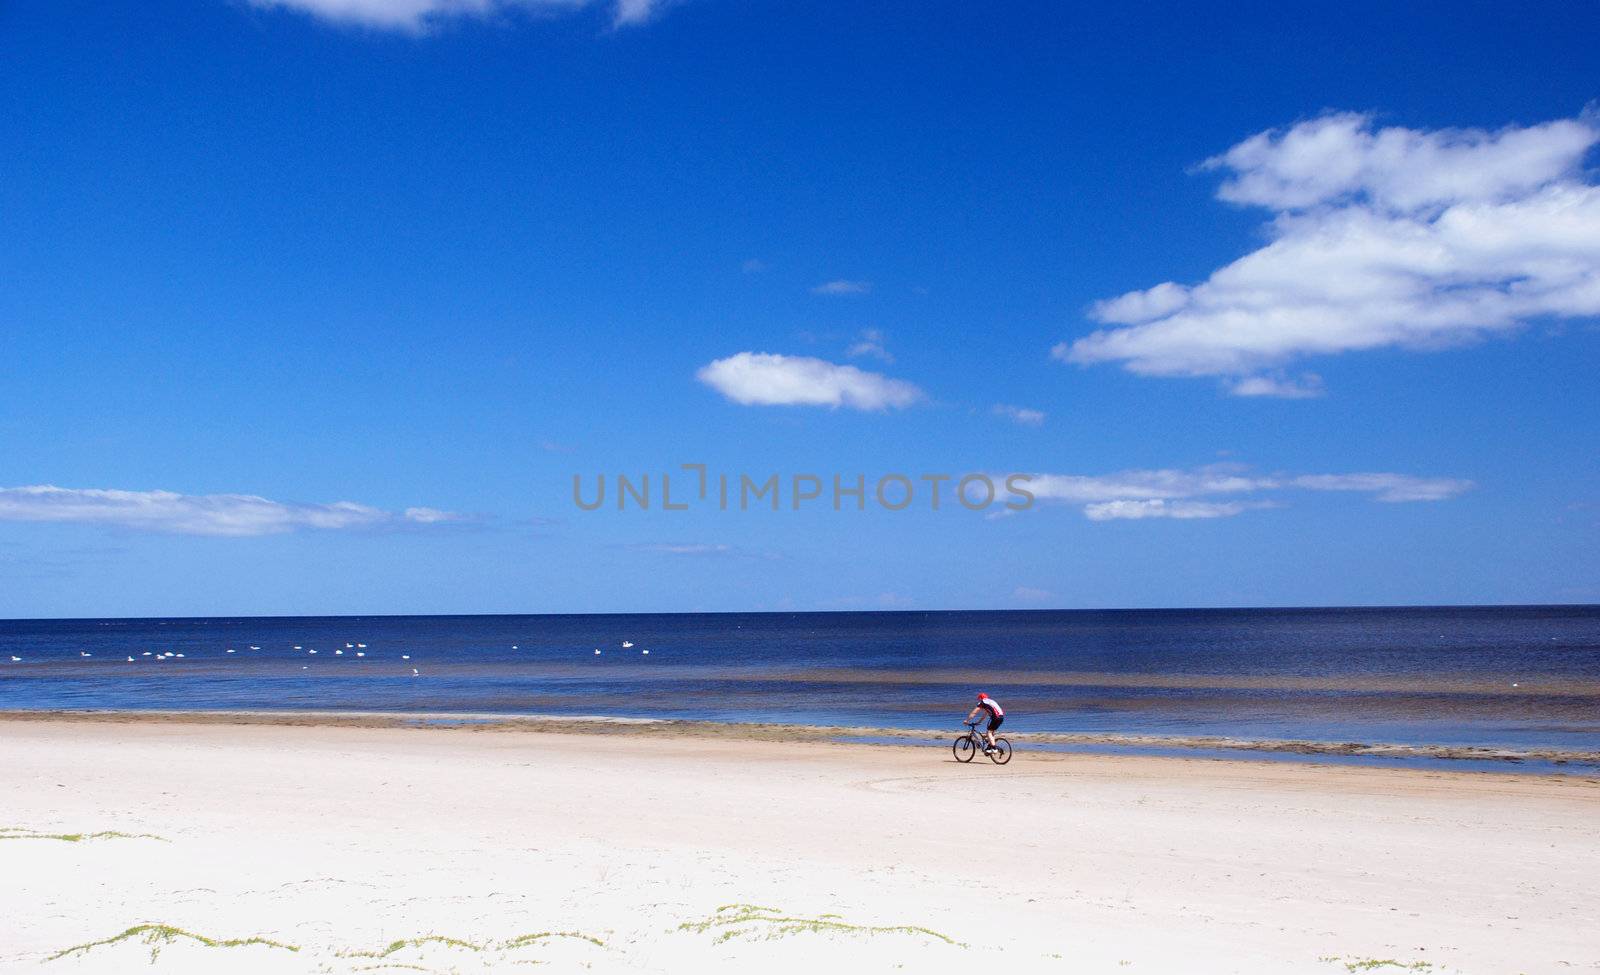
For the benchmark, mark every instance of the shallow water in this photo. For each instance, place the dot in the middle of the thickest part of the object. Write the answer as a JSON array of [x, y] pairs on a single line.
[[1521, 677]]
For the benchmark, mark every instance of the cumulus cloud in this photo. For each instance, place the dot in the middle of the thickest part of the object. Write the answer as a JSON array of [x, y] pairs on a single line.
[[762, 379], [1221, 490], [1379, 237], [200, 514], [1019, 414], [842, 287], [418, 16]]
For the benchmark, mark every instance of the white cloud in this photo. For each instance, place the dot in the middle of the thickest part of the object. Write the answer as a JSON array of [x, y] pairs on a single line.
[[635, 11], [758, 378], [418, 16], [1308, 386], [842, 287], [871, 343], [1019, 414], [199, 514], [1221, 490], [1379, 238], [1159, 508], [1386, 487], [1163, 484]]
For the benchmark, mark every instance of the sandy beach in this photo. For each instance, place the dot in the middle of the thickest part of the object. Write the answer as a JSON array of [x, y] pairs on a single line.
[[187, 846]]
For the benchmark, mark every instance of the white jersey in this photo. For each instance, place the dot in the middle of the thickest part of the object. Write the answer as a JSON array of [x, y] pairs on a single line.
[[993, 707]]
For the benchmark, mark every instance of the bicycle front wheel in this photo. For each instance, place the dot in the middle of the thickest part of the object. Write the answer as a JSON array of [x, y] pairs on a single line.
[[1002, 751], [964, 748]]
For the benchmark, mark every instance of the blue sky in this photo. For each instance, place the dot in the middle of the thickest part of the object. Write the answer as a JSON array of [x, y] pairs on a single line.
[[1286, 308]]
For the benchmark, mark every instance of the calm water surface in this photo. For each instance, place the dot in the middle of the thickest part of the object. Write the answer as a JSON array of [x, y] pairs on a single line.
[[1511, 676]]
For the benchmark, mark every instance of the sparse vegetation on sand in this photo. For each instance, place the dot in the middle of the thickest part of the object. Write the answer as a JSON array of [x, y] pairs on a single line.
[[159, 936], [1375, 964], [23, 833], [751, 920], [512, 944]]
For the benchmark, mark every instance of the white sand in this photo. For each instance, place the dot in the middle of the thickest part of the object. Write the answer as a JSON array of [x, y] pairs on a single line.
[[342, 841]]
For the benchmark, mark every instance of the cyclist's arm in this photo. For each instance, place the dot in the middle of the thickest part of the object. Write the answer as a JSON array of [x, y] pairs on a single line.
[[973, 713]]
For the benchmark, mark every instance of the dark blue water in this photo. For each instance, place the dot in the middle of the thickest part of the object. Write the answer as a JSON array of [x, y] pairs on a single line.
[[1407, 676]]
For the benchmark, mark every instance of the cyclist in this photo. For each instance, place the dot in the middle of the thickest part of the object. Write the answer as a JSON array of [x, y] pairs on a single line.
[[996, 714]]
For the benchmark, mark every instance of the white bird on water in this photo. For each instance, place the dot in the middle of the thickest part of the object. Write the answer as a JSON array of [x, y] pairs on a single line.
[[362, 645], [130, 660], [359, 653], [231, 650], [310, 651], [645, 652], [513, 646], [15, 659], [145, 654], [415, 672], [349, 646], [179, 655], [84, 653], [255, 648], [405, 656], [597, 651], [298, 647], [627, 643], [339, 653]]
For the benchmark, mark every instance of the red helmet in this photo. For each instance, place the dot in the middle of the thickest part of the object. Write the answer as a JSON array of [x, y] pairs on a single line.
[[982, 696]]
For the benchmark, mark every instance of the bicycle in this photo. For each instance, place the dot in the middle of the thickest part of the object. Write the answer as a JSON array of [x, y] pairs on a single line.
[[972, 743]]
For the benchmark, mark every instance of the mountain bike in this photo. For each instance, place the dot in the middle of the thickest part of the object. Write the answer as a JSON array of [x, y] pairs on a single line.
[[972, 743]]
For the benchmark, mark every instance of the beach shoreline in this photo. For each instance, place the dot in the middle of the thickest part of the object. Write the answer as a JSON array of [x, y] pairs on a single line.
[[1580, 762]]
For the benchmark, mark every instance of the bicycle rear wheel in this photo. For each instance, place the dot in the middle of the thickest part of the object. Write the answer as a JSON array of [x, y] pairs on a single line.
[[964, 748], [1002, 751]]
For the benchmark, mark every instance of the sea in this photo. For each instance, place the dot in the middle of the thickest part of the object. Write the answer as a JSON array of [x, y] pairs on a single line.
[[1513, 677]]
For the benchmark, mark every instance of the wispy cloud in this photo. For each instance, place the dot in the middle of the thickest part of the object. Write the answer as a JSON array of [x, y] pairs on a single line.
[[1019, 414], [1221, 491], [1306, 386], [1161, 508], [202, 514], [753, 266], [763, 379], [842, 287], [419, 16], [871, 343], [1392, 488], [1379, 238]]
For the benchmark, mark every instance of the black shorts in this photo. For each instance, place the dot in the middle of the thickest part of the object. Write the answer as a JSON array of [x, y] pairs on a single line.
[[994, 720]]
